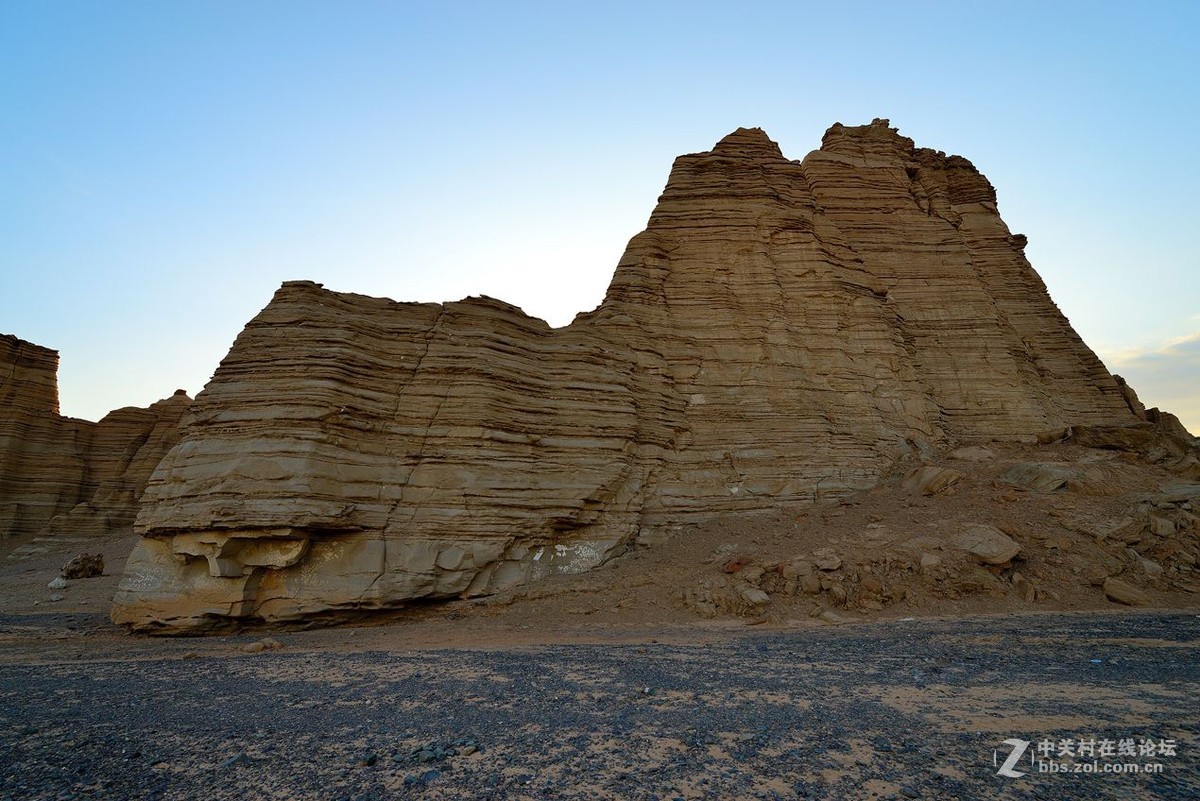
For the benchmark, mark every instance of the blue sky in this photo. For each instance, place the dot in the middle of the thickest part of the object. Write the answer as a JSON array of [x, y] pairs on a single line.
[[164, 166]]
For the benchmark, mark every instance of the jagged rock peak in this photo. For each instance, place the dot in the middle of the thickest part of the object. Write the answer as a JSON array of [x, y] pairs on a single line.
[[748, 143], [879, 142], [879, 139]]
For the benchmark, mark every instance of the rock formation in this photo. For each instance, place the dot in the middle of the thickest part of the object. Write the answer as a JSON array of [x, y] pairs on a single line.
[[64, 476], [782, 332]]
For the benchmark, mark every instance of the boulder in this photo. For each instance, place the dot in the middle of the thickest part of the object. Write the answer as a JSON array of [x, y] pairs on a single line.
[[1024, 588], [1120, 592], [754, 596], [930, 480], [1040, 476], [972, 453], [85, 565], [987, 543], [827, 559]]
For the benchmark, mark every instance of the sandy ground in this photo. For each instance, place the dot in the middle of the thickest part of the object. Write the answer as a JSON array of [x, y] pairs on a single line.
[[897, 709]]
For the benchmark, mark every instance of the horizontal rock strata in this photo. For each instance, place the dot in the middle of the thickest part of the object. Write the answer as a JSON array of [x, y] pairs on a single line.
[[782, 332], [61, 476]]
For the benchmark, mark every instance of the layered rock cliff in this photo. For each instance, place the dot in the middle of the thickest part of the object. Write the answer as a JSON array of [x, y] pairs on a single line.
[[61, 475], [782, 332]]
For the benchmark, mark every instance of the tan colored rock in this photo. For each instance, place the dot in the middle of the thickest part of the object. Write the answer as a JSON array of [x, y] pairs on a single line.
[[1039, 476], [1123, 593], [986, 542], [833, 618], [1024, 588], [930, 480], [1161, 526], [61, 475], [42, 472], [972, 453], [781, 333], [1138, 437], [85, 565], [1126, 530], [827, 559], [753, 595]]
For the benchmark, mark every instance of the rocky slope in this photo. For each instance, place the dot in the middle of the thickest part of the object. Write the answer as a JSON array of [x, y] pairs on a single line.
[[60, 476], [783, 332]]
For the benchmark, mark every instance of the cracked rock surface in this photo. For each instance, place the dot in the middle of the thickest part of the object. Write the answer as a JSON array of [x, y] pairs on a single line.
[[780, 334]]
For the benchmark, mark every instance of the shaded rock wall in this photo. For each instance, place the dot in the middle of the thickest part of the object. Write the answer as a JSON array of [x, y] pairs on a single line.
[[782, 332], [61, 475]]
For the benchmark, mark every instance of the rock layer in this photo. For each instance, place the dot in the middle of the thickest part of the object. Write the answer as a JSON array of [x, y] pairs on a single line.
[[65, 476], [782, 332]]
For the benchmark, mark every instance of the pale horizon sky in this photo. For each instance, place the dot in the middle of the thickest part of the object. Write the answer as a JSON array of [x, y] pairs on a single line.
[[165, 166]]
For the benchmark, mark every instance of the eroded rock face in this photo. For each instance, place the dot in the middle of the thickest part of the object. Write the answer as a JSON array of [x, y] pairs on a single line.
[[64, 476], [780, 333], [42, 455]]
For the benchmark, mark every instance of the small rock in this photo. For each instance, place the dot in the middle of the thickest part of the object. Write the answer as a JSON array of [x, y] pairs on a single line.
[[871, 584], [56, 597], [930, 480], [736, 563], [1122, 593], [253, 647], [752, 574], [1040, 476], [930, 560], [909, 792], [1024, 589], [991, 545], [59, 583], [827, 559], [270, 643], [1162, 526], [1127, 530], [810, 584], [85, 565], [754, 596], [972, 453], [468, 750], [239, 758]]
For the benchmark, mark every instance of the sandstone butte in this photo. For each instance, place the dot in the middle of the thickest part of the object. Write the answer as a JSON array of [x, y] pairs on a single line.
[[782, 333], [60, 476]]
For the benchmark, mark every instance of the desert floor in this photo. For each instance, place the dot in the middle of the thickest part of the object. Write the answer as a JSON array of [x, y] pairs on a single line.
[[900, 708]]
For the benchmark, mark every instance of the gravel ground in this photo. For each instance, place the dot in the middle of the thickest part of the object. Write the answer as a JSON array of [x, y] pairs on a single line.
[[904, 709]]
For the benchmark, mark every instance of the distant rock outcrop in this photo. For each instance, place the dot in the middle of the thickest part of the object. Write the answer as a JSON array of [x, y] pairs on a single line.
[[64, 476], [782, 332]]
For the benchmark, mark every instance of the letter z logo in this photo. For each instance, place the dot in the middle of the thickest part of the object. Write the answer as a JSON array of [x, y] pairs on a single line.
[[1018, 750]]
